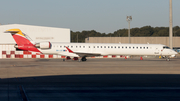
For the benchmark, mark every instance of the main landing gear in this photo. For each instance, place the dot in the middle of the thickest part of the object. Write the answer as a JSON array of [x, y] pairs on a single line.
[[167, 59], [75, 58], [82, 59]]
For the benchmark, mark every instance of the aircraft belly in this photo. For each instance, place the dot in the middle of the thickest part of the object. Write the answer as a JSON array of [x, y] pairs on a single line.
[[136, 52]]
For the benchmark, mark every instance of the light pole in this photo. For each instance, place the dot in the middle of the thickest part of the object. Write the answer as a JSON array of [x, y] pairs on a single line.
[[129, 19], [170, 24]]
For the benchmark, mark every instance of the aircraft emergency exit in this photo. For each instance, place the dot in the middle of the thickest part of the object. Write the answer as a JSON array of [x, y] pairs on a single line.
[[83, 50]]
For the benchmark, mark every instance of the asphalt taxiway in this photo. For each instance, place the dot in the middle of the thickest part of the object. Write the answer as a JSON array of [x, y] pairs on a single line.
[[96, 79]]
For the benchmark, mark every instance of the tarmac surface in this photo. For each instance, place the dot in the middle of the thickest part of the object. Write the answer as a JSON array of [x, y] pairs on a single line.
[[94, 80]]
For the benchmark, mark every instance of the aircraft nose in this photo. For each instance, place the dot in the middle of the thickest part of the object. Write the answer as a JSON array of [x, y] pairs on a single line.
[[175, 53]]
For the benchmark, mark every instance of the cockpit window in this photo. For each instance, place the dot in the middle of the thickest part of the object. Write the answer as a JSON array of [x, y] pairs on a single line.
[[166, 47]]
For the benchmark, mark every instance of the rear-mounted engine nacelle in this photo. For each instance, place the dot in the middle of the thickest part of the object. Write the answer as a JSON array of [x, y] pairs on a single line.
[[43, 45]]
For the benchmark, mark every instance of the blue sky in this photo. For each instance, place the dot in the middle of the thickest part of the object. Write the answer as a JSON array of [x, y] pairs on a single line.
[[101, 15]]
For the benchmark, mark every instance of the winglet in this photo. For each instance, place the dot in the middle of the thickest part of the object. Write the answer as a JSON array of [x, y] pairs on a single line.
[[70, 51]]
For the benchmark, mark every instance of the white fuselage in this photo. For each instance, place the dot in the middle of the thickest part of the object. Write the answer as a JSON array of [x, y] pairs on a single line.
[[96, 49]]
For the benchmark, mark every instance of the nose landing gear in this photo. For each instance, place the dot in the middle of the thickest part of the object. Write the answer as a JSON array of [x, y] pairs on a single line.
[[76, 58], [167, 59]]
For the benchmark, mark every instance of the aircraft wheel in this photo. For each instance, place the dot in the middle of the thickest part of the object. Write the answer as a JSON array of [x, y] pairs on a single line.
[[63, 59], [84, 59]]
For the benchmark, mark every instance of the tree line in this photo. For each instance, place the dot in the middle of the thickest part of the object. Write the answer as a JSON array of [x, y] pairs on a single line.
[[135, 32]]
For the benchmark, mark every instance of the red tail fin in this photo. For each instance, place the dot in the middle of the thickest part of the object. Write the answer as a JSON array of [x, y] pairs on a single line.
[[22, 42]]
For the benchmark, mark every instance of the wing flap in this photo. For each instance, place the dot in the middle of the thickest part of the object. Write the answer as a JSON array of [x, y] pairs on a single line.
[[82, 54]]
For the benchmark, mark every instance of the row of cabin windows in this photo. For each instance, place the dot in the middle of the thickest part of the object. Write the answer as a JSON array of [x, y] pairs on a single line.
[[123, 47]]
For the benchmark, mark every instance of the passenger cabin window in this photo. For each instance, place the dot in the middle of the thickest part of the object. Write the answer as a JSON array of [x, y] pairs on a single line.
[[97, 46], [118, 46], [140, 47], [147, 47], [101, 46], [126, 47], [129, 47], [133, 47], [144, 47], [108, 47], [79, 46], [83, 46], [94, 46], [122, 47], [60, 46], [137, 47], [76, 46], [89, 47], [114, 46], [104, 46], [166, 47], [111, 46], [71, 46]]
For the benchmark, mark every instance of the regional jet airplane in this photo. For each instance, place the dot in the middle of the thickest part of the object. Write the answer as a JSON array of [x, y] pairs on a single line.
[[83, 50]]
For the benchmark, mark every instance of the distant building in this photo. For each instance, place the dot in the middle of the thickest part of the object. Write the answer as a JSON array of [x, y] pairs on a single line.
[[36, 33], [135, 40]]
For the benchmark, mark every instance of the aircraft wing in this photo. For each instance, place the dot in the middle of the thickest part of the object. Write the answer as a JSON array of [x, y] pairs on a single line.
[[83, 54]]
